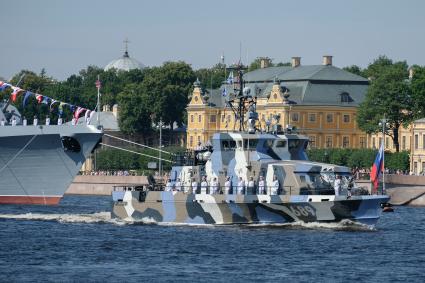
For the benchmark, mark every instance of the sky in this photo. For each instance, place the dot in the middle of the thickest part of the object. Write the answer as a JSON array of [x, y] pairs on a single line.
[[66, 36]]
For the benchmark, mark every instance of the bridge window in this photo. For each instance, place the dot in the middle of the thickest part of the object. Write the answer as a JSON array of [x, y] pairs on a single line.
[[251, 144], [281, 143], [228, 145]]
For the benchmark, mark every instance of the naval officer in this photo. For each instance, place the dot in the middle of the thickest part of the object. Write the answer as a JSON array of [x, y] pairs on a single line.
[[251, 186], [194, 186], [214, 186], [275, 186], [227, 185], [204, 185], [241, 186], [261, 186]]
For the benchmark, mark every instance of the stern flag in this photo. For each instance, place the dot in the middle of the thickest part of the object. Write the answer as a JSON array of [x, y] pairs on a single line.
[[377, 167]]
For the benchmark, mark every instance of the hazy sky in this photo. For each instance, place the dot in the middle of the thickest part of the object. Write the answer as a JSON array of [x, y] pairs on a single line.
[[66, 36]]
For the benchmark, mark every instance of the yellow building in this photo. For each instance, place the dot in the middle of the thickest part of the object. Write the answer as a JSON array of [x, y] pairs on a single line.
[[325, 100]]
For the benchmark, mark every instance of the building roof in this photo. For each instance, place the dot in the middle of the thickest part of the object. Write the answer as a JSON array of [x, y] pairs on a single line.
[[125, 63], [307, 85]]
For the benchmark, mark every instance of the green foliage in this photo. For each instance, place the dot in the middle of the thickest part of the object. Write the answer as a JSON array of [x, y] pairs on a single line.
[[212, 78], [113, 159], [418, 91], [361, 158], [389, 94], [354, 69]]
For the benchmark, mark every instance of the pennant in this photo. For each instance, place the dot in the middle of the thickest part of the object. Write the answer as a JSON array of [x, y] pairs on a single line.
[[87, 115], [4, 85], [78, 112], [39, 98], [60, 108], [46, 100], [27, 95], [15, 93], [52, 104]]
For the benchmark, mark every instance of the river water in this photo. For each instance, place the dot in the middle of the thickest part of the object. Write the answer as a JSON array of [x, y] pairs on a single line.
[[78, 241]]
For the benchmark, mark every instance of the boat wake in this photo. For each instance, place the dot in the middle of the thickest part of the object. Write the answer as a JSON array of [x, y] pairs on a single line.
[[105, 217], [98, 217]]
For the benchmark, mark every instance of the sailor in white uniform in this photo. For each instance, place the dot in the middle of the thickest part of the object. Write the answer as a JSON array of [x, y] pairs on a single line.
[[178, 185], [261, 186], [60, 121], [24, 122], [227, 185], [47, 120], [3, 122], [168, 186], [13, 121], [194, 186], [204, 185], [35, 123], [214, 186], [251, 186], [337, 185], [275, 186], [241, 186]]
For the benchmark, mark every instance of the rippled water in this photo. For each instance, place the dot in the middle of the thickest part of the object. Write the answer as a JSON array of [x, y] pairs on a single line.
[[77, 241]]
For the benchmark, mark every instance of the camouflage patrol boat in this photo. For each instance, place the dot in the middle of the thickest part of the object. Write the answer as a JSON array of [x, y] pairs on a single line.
[[250, 177]]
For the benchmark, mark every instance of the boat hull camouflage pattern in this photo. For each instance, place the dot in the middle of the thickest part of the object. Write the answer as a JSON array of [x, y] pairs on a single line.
[[183, 208]]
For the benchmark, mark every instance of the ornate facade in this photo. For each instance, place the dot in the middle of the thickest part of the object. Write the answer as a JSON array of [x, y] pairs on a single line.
[[324, 101]]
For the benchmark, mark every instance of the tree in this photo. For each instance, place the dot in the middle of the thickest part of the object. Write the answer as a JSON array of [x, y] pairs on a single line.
[[354, 69], [389, 95], [417, 84]]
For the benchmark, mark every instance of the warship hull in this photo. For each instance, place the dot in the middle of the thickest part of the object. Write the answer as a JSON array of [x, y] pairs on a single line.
[[181, 208], [38, 163]]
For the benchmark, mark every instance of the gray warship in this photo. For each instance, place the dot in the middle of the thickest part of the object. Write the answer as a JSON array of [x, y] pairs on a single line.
[[250, 177], [38, 163]]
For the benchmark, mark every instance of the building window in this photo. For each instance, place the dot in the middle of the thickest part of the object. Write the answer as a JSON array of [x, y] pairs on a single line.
[[329, 141], [345, 97], [373, 143], [345, 142], [199, 139], [380, 142], [362, 142], [403, 143], [312, 117], [423, 141], [213, 118], [415, 167], [330, 118], [191, 141], [199, 118], [346, 118], [387, 142], [295, 117], [222, 118], [229, 118], [312, 142], [416, 141], [191, 118]]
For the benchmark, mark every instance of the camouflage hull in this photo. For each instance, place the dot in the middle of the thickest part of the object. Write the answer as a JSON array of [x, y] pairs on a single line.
[[177, 207]]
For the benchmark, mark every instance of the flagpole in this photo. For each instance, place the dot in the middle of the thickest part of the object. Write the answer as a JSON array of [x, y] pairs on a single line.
[[98, 99], [384, 124]]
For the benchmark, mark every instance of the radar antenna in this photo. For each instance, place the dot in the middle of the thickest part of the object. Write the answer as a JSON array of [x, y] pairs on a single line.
[[243, 100]]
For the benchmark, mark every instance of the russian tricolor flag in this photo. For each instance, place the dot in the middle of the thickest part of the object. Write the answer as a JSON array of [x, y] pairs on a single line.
[[377, 167]]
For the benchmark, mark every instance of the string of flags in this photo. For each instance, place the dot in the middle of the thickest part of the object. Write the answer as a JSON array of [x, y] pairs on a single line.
[[51, 102]]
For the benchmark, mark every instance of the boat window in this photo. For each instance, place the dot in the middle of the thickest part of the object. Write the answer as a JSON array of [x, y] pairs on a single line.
[[293, 144], [251, 144], [281, 143], [269, 143], [239, 144], [70, 144], [228, 145]]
